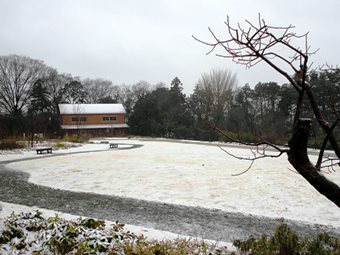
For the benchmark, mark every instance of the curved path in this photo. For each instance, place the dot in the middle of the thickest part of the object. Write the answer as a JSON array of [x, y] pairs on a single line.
[[192, 221]]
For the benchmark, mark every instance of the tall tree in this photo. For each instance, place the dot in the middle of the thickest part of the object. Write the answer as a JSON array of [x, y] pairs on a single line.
[[216, 88], [267, 97], [39, 109], [176, 86], [39, 97], [259, 42], [74, 92], [17, 77], [326, 84], [140, 89], [97, 89], [55, 84], [241, 116], [146, 117], [211, 99], [162, 113], [130, 94], [177, 119]]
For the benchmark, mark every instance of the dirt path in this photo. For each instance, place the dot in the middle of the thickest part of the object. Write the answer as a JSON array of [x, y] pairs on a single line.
[[192, 221]]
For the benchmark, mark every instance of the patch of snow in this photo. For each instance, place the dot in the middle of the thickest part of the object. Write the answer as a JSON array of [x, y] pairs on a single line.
[[91, 108], [30, 152], [95, 126], [187, 174]]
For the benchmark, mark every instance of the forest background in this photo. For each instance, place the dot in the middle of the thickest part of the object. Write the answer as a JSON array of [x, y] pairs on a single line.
[[30, 92]]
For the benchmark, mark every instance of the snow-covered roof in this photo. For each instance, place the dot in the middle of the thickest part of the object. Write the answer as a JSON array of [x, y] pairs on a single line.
[[91, 108], [96, 126]]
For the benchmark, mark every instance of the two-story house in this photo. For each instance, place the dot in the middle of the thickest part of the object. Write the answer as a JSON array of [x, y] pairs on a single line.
[[93, 119]]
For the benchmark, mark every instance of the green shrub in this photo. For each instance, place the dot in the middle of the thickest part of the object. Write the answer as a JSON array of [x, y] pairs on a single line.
[[286, 242], [323, 244], [9, 234], [171, 247], [92, 223]]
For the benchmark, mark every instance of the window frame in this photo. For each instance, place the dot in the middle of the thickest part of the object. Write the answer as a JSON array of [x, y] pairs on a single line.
[[109, 118], [78, 119]]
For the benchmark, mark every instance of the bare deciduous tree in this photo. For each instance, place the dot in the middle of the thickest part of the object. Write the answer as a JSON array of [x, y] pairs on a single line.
[[55, 84], [275, 46], [74, 92], [17, 77], [140, 89], [97, 89], [216, 89]]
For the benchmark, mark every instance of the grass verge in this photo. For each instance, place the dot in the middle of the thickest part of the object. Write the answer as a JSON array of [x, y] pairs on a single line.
[[10, 144]]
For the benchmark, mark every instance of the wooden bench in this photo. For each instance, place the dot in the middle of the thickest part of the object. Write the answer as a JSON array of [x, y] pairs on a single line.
[[41, 150], [113, 145]]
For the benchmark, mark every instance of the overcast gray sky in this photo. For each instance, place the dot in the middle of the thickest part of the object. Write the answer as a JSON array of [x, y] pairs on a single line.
[[131, 40]]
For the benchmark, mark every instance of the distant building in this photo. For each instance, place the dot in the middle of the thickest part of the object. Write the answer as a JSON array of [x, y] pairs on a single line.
[[93, 119]]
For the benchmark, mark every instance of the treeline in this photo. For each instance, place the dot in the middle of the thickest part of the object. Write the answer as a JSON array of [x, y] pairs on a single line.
[[264, 112], [30, 92]]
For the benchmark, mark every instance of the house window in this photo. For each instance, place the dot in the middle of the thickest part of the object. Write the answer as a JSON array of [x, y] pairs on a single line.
[[109, 118], [79, 119]]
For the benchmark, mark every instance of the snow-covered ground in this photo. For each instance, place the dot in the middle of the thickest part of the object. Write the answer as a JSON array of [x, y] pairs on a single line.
[[187, 174]]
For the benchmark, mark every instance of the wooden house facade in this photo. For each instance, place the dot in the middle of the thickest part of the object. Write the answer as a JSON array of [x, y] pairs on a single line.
[[93, 119]]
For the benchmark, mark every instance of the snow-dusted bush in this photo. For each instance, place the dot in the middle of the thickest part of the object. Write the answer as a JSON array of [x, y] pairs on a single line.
[[30, 233]]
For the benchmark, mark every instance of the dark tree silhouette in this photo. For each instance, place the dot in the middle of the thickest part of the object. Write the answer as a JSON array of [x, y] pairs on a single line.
[[275, 46], [17, 77]]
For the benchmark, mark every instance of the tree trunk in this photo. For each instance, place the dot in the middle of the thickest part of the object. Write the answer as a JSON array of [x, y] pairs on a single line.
[[298, 157]]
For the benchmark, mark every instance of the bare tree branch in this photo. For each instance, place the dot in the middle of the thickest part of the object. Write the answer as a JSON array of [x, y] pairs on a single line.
[[262, 43], [324, 143]]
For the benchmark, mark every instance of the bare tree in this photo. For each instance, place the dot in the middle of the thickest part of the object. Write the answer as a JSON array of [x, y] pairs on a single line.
[[275, 46], [97, 89], [74, 92], [116, 93], [215, 89], [17, 77], [130, 94], [55, 84], [140, 89]]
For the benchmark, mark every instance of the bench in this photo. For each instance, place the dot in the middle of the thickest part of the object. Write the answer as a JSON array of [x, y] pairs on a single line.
[[113, 145], [41, 150]]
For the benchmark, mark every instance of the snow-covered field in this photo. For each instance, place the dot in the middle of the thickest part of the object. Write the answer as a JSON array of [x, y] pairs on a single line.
[[187, 174]]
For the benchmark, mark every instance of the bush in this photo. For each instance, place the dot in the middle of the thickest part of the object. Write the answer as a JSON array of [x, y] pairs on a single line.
[[58, 146], [30, 233], [286, 242], [76, 139], [10, 145]]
